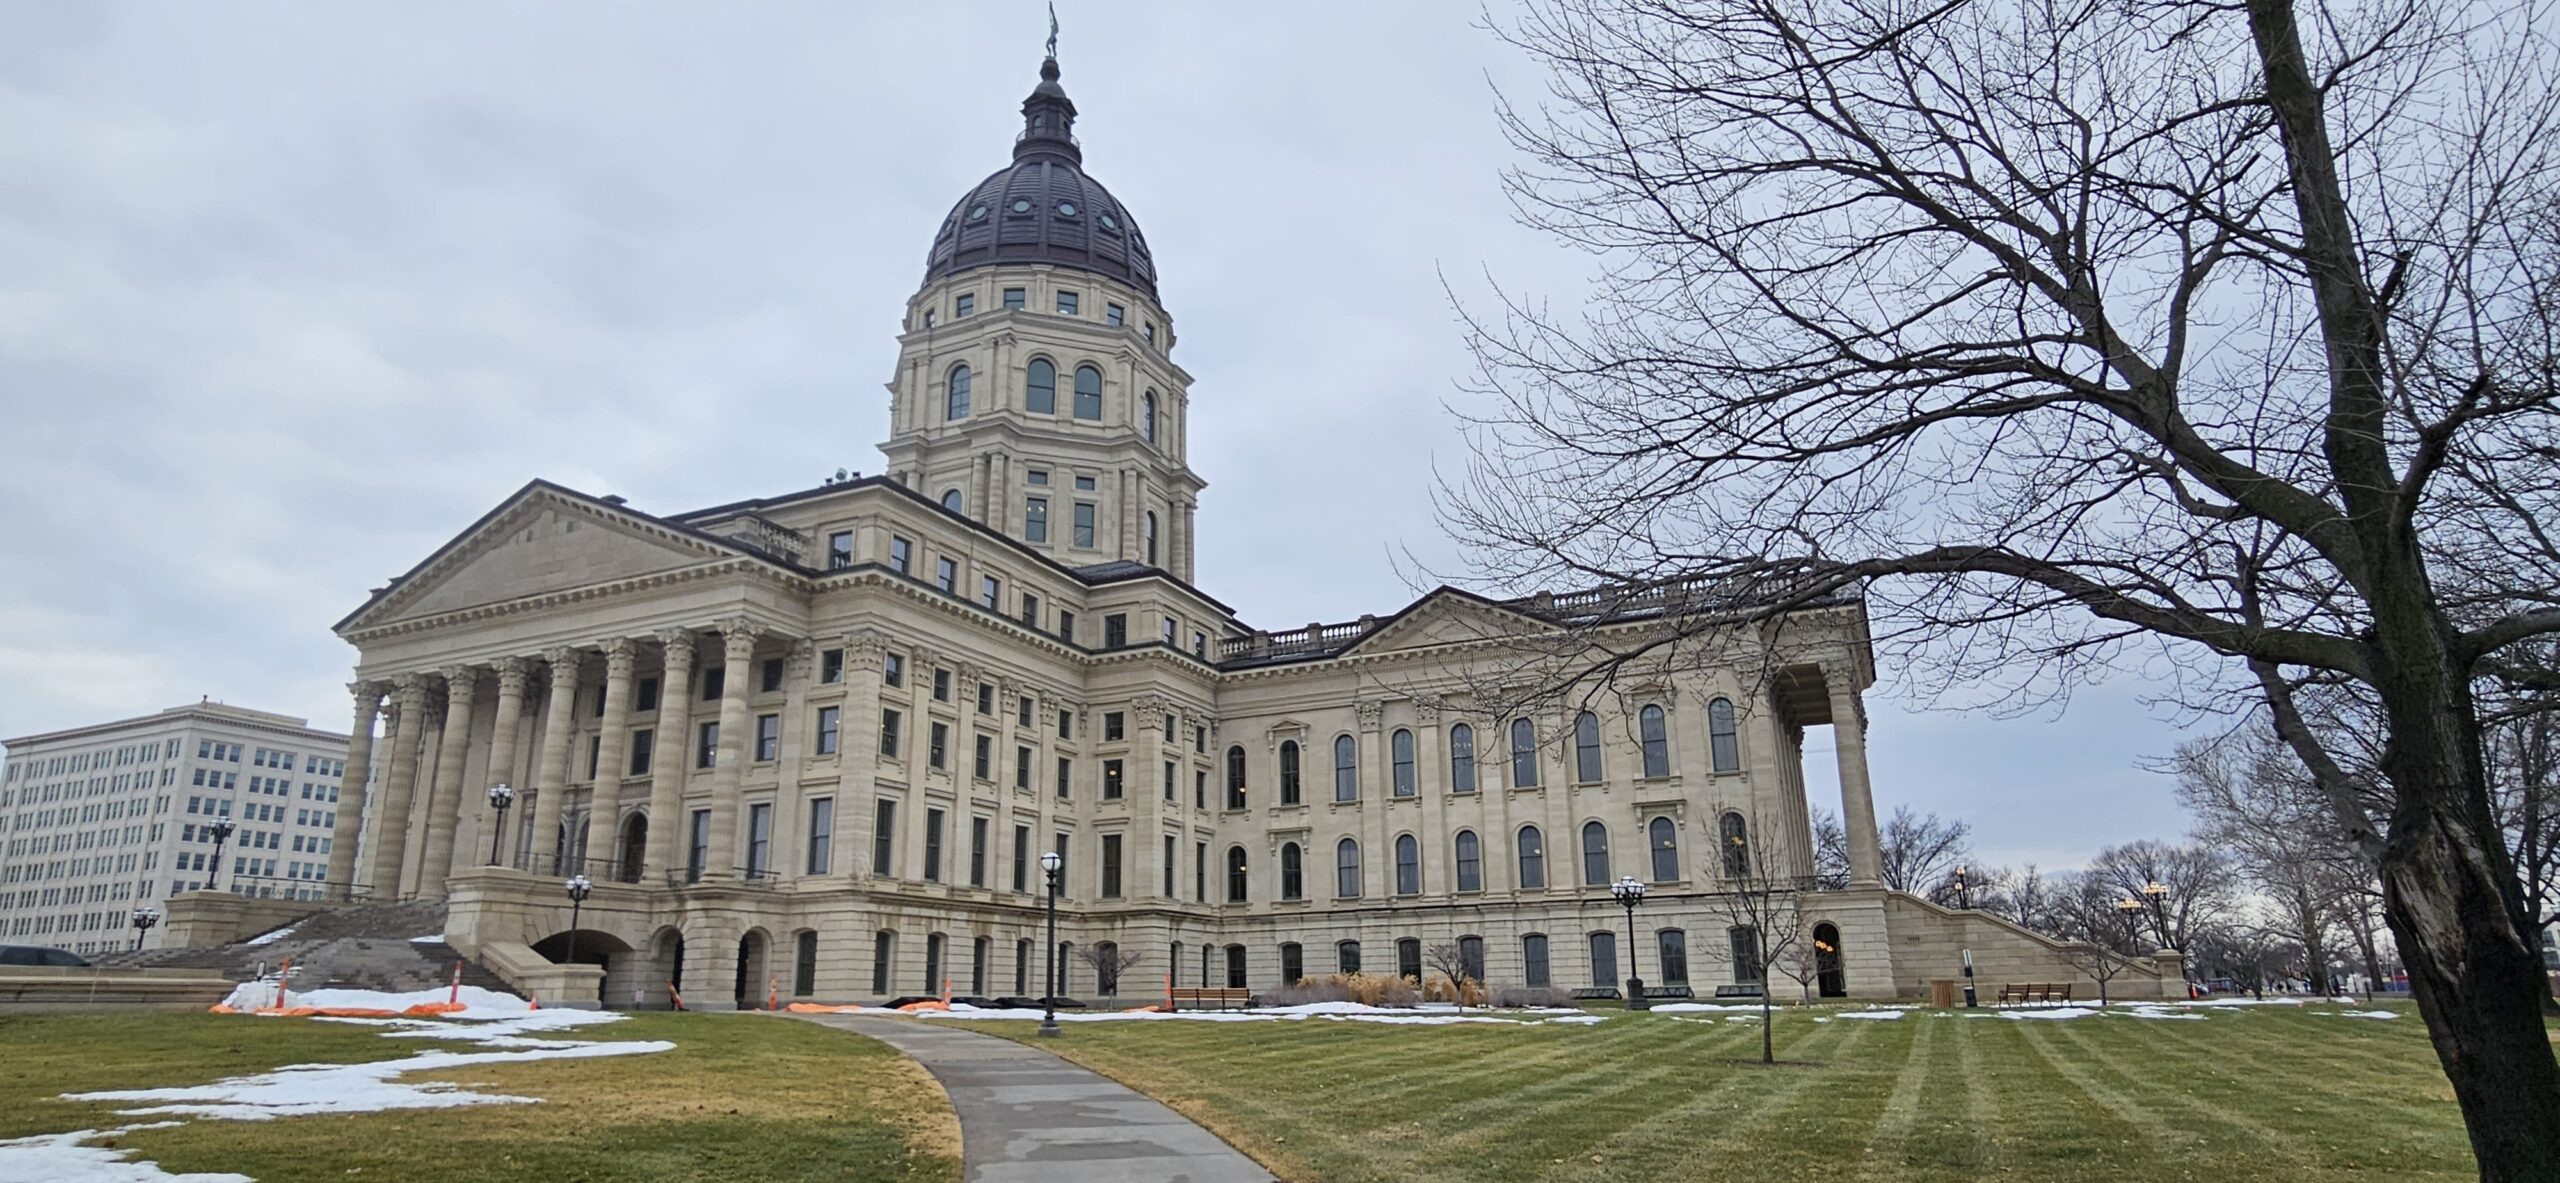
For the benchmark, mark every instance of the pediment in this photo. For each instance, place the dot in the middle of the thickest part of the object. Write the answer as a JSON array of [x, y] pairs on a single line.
[[1449, 617], [539, 542]]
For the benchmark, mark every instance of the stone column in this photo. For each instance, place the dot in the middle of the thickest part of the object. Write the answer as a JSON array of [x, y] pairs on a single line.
[[737, 681], [502, 746], [390, 829], [1857, 799], [788, 856], [559, 726], [349, 830], [461, 692], [667, 757], [604, 801]]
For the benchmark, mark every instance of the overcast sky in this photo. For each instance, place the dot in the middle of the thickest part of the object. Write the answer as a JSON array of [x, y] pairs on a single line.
[[290, 294]]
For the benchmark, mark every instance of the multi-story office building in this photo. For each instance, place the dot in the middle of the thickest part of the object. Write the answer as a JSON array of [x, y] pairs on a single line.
[[100, 820]]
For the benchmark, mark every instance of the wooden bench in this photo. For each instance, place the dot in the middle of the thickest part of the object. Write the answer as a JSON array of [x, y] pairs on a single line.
[[2013, 992], [1206, 998], [1739, 990]]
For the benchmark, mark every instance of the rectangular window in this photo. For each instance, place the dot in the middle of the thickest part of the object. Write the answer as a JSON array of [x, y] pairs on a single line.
[[1066, 626], [901, 554], [768, 738], [884, 833], [830, 666], [769, 678], [1030, 610], [1035, 519], [759, 840], [1115, 726], [641, 743], [1022, 768], [1169, 861], [1168, 780], [990, 592], [1111, 786], [839, 550], [1111, 866], [1084, 524], [1674, 964], [1036, 476], [697, 846], [830, 729], [982, 763], [889, 724], [645, 697], [1533, 959], [706, 745], [987, 698], [1022, 711], [978, 852], [964, 304], [822, 835], [941, 685], [1014, 298], [1114, 315], [946, 575], [881, 945], [1022, 858], [595, 755], [1200, 872], [893, 669], [1066, 725], [1066, 778], [1604, 959], [1115, 630], [1066, 303], [714, 681], [933, 845], [938, 752], [1170, 625]]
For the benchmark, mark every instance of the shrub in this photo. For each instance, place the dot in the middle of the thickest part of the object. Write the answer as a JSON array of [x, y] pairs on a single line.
[[1366, 989], [1532, 996]]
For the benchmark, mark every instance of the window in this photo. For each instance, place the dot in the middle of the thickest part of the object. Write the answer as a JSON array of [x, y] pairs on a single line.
[[759, 840], [1235, 777], [1409, 958], [830, 666], [1066, 302], [1663, 838], [1346, 769], [1471, 958], [941, 685], [830, 729], [981, 951], [1200, 878], [1114, 315], [933, 845], [901, 552], [1040, 393], [1400, 746], [893, 669], [1673, 947], [697, 845], [955, 396], [1470, 861], [1022, 966], [1088, 394], [1408, 865], [990, 592], [1734, 838], [1066, 626], [889, 724], [884, 830], [1022, 767], [1746, 952], [1533, 858], [938, 748], [1293, 876], [768, 737], [1035, 525], [933, 946], [1604, 959], [642, 741], [714, 680], [881, 945], [1721, 740], [1115, 630], [706, 746], [982, 760], [964, 304], [1533, 959], [1066, 771], [1524, 754], [1595, 854], [1293, 965], [1083, 538], [1115, 726], [1111, 866], [1112, 786], [822, 835], [1235, 875], [1022, 858], [1031, 617], [1346, 956], [946, 575], [1656, 741], [1586, 748], [1289, 772], [1235, 967], [1013, 301], [1168, 780], [1147, 416], [1171, 860], [1147, 549], [1462, 759]]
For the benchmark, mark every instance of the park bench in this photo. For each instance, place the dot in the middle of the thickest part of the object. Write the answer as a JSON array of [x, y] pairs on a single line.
[[2035, 992], [1595, 993], [1204, 998], [1667, 994], [1739, 990]]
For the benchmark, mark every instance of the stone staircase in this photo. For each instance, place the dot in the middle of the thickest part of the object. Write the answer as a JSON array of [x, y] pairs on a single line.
[[363, 946]]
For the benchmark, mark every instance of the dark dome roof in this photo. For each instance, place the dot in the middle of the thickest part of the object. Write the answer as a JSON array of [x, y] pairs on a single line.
[[1043, 208]]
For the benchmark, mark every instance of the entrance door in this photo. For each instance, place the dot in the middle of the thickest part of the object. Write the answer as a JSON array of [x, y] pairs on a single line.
[[1826, 961]]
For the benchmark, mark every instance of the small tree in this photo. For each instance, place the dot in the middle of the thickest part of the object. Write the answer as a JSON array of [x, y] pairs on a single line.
[[1108, 960], [1449, 960], [1762, 902]]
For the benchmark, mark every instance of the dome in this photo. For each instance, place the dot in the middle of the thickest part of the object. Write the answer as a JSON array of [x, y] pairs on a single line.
[[1043, 208]]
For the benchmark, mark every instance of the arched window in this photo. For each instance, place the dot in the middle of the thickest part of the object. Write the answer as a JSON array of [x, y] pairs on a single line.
[[1235, 776], [951, 500], [1723, 744], [1595, 854], [1400, 745], [1293, 876], [1462, 759], [1663, 838], [955, 396], [804, 964], [1524, 754], [1533, 959], [1148, 539], [1040, 387], [1735, 839], [883, 943], [1346, 870], [1673, 947], [1147, 416], [1409, 958], [1346, 769], [1656, 740], [1586, 748], [1088, 393], [1533, 858], [1293, 962], [1471, 958], [1408, 865], [1470, 861], [1022, 966], [1746, 952], [1289, 772], [1604, 959], [1235, 875], [1106, 966], [1235, 967], [1346, 955]]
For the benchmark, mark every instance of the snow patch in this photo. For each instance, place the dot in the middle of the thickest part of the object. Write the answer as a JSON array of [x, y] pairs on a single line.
[[1339, 1012], [2056, 1012], [433, 938], [2154, 1012], [1871, 1014], [62, 1158], [1689, 1008], [2366, 1014], [272, 937], [478, 1003]]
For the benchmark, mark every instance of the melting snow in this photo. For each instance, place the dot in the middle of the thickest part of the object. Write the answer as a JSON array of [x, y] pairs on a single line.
[[481, 1004], [2365, 1014], [272, 937], [2056, 1012], [1871, 1014], [61, 1158]]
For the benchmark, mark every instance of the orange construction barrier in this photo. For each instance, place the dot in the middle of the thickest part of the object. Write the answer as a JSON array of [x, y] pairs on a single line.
[[428, 1010], [772, 992], [926, 1005], [282, 976], [456, 997], [812, 1008]]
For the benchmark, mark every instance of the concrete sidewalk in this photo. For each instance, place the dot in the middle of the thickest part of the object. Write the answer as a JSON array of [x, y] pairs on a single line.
[[1029, 1117]]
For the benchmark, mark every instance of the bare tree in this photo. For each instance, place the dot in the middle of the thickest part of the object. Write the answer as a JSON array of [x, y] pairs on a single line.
[[2179, 885], [1762, 901], [2253, 799], [1830, 851], [1449, 960], [2094, 331], [1109, 960], [1920, 849]]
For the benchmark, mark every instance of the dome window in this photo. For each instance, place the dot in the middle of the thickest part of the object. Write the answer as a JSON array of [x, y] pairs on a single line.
[[1022, 205], [978, 213], [1066, 209], [1107, 222]]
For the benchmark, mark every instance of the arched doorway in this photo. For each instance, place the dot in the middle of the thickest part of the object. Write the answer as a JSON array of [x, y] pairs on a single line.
[[635, 847], [587, 946], [751, 969], [666, 966], [1826, 961]]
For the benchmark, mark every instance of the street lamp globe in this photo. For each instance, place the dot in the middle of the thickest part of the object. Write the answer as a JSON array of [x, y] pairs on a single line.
[[1050, 865], [501, 795], [1050, 862], [143, 918], [1630, 892], [1628, 889]]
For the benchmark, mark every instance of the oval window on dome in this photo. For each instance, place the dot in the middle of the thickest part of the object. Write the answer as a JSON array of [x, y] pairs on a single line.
[[977, 213], [1066, 209], [1107, 222], [1022, 205]]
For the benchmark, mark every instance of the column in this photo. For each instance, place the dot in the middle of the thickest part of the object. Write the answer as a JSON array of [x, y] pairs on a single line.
[[559, 726], [461, 692], [349, 831], [1857, 799], [502, 749], [390, 828], [667, 757], [604, 800], [789, 854], [737, 680]]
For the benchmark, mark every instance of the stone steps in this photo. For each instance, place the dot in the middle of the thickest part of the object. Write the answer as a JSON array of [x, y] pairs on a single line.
[[365, 947]]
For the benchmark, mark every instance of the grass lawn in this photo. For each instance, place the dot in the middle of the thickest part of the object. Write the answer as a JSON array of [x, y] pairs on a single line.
[[2269, 1094], [739, 1098]]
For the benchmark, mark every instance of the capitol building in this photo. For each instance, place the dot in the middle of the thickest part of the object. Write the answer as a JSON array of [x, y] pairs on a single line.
[[814, 744]]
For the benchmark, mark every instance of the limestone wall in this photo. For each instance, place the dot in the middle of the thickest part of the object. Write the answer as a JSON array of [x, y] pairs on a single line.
[[1928, 943]]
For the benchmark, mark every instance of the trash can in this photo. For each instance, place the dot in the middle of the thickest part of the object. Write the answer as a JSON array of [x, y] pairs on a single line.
[[1942, 993]]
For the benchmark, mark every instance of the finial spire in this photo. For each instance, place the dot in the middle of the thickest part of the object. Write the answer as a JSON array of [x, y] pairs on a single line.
[[1048, 117]]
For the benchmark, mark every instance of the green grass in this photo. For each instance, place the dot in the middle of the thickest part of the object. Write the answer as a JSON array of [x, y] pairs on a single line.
[[2257, 1094], [739, 1098]]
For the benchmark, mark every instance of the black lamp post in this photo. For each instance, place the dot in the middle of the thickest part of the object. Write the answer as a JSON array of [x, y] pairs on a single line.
[[143, 918], [578, 889], [1964, 899], [2127, 907], [1630, 892], [221, 833], [1053, 868], [501, 795]]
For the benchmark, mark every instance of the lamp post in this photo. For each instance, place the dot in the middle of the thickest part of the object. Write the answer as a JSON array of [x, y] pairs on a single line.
[[143, 918], [2155, 896], [221, 833], [578, 889], [1630, 893], [1964, 899], [2126, 908], [1052, 868], [501, 795]]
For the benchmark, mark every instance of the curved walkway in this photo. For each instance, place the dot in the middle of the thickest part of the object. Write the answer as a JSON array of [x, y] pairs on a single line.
[[1029, 1117]]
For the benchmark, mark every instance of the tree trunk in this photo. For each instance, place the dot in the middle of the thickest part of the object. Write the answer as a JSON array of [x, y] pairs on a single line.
[[2315, 948]]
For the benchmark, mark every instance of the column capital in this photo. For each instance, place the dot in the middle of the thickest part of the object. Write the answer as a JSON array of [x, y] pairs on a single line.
[[1372, 715], [511, 675], [866, 645], [674, 641], [564, 661], [1427, 707], [367, 695], [411, 689], [736, 628], [801, 654], [619, 651], [462, 677]]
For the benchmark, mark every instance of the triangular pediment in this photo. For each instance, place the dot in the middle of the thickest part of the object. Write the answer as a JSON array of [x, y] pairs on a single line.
[[1449, 617], [541, 541]]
